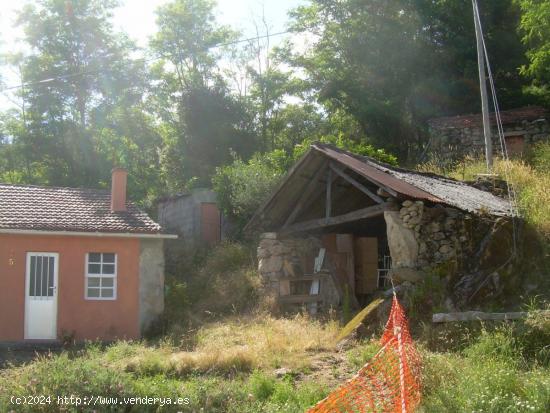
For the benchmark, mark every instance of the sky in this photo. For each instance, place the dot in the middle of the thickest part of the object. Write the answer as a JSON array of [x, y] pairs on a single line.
[[137, 19]]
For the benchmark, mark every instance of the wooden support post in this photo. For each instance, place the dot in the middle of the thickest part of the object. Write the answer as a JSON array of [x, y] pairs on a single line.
[[356, 184], [328, 203]]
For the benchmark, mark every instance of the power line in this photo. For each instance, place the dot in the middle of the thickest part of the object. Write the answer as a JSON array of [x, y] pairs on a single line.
[[71, 75]]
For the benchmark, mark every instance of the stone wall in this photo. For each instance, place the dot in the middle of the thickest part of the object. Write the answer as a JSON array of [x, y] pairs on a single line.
[[283, 258], [455, 142], [438, 236]]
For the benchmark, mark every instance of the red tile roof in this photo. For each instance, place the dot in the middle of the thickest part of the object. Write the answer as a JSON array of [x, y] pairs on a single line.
[[528, 113], [28, 207]]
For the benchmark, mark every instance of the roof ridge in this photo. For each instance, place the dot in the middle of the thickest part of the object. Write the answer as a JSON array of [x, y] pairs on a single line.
[[79, 188]]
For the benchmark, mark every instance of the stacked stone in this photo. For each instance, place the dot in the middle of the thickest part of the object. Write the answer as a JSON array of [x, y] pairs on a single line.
[[442, 237], [282, 257], [270, 259], [411, 214]]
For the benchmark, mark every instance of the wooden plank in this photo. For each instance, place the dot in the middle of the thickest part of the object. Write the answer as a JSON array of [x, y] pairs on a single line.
[[368, 212], [356, 184], [308, 191], [366, 264], [328, 202], [479, 315]]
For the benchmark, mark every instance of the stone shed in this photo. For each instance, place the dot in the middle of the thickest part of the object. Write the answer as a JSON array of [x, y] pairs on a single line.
[[456, 136], [339, 226]]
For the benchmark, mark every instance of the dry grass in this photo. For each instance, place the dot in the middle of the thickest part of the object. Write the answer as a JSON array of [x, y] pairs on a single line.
[[242, 345]]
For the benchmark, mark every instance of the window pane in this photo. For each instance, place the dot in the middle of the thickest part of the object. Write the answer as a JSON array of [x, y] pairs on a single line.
[[93, 281], [109, 257], [94, 268], [107, 282], [108, 268], [93, 292], [107, 293], [94, 257]]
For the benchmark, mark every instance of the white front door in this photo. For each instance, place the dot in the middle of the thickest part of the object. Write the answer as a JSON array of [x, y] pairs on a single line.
[[41, 296]]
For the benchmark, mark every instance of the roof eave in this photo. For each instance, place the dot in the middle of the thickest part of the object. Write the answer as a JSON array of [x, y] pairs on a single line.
[[88, 234]]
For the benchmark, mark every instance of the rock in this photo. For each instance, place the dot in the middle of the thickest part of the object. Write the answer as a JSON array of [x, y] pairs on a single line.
[[434, 227], [277, 249], [401, 241], [407, 203], [269, 235], [445, 249], [438, 236], [422, 248], [268, 243], [263, 252], [271, 264], [406, 274]]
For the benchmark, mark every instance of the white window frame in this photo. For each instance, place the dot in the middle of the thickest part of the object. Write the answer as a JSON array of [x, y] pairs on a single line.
[[113, 276]]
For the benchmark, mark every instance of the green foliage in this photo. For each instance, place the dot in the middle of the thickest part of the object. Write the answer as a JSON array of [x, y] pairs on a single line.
[[490, 375], [242, 186], [540, 157], [535, 27], [394, 64]]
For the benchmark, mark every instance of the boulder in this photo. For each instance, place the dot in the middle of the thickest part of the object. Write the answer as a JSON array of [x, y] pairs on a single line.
[[406, 274], [401, 241]]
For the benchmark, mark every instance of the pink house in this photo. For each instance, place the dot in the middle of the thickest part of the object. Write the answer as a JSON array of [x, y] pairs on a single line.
[[78, 262]]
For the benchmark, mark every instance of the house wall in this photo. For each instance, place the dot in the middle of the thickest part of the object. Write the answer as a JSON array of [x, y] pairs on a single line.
[[88, 319], [456, 142]]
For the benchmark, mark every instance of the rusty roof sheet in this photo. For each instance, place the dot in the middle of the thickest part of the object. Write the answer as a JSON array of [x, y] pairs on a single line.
[[30, 207], [528, 113], [421, 186]]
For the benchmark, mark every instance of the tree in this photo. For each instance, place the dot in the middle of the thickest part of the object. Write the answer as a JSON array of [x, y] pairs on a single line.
[[72, 44], [394, 64], [535, 28], [207, 120]]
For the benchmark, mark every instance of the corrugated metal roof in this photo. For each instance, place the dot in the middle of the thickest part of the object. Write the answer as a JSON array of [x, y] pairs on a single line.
[[421, 186], [403, 183]]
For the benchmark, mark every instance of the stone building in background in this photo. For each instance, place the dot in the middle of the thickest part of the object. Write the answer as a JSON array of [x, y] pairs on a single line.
[[453, 137]]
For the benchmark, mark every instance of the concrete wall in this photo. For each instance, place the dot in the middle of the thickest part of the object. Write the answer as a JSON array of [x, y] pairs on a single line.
[[151, 281], [182, 214]]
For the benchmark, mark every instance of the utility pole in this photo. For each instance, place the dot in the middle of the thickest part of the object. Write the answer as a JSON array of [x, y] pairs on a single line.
[[483, 89]]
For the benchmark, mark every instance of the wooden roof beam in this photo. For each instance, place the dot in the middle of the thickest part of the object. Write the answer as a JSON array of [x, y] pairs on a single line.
[[356, 184], [363, 213]]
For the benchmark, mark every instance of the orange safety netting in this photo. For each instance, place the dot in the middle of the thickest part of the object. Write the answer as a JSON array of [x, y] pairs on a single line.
[[389, 382]]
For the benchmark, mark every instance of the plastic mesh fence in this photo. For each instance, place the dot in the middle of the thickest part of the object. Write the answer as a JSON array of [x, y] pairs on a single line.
[[389, 382]]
